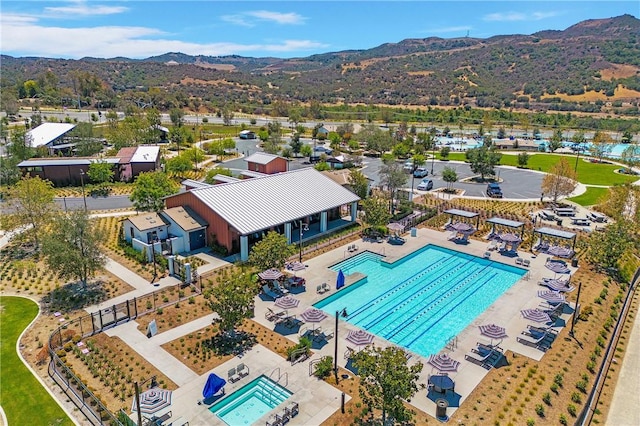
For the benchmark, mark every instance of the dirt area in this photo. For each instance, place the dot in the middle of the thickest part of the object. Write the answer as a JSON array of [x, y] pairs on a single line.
[[173, 316]]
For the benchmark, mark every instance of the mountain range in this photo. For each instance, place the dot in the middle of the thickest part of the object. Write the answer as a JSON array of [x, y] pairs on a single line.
[[584, 67]]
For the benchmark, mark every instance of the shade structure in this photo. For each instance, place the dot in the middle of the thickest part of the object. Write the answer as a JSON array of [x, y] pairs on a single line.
[[395, 227], [510, 237], [493, 331], [443, 363], [213, 385], [153, 400], [558, 285], [313, 315], [270, 274], [287, 302], [551, 296], [340, 280], [297, 266], [535, 315], [557, 267], [560, 251], [463, 227], [359, 337]]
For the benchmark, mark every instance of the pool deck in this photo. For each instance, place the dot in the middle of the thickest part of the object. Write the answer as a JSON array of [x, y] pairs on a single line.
[[317, 399]]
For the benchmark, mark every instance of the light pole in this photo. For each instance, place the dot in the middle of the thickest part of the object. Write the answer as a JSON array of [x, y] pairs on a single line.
[[578, 149], [575, 311], [433, 154], [84, 197], [137, 389]]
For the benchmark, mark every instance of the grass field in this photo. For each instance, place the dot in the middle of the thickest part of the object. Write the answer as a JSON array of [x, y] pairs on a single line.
[[591, 197], [588, 173], [24, 400]]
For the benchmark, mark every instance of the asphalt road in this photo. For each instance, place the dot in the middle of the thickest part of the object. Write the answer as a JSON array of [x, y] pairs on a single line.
[[95, 203]]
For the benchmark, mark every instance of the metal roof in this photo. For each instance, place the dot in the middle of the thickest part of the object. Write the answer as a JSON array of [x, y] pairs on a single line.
[[251, 174], [505, 222], [58, 161], [463, 213], [146, 154], [261, 158], [225, 179], [195, 183], [252, 205], [185, 218], [556, 233], [47, 132]]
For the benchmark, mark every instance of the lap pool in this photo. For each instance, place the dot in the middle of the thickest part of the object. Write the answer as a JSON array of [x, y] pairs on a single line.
[[422, 300]]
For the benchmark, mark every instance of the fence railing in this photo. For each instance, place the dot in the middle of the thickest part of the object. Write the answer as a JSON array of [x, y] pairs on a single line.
[[96, 322]]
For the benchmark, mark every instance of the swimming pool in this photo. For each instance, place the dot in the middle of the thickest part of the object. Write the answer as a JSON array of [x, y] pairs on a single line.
[[422, 300], [252, 401]]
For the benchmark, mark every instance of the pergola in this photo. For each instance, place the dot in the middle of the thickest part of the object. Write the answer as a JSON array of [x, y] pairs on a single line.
[[465, 214], [557, 233], [505, 222]]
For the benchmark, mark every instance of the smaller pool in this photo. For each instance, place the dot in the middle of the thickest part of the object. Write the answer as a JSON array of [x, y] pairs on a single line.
[[252, 401]]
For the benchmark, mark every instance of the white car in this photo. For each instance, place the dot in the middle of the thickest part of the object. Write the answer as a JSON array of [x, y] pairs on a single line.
[[425, 185]]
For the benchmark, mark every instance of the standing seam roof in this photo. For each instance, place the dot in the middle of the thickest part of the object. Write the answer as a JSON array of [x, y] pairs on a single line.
[[256, 204]]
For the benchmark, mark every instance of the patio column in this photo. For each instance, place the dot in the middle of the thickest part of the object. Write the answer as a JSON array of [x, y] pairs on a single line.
[[244, 248], [287, 232], [323, 221], [354, 211]]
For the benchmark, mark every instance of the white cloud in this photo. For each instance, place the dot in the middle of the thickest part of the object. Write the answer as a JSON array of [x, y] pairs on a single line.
[[518, 16], [237, 20], [280, 18], [134, 42], [81, 8], [16, 19], [458, 29]]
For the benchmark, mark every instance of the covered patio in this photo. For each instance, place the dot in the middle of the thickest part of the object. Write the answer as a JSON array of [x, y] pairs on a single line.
[[542, 245], [469, 216], [501, 222]]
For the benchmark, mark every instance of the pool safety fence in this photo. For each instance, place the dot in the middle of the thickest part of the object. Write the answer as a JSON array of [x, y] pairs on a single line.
[[94, 323]]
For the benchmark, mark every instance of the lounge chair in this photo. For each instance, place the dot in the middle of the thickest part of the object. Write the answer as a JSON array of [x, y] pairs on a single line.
[[349, 353], [452, 235], [480, 358], [293, 408], [542, 341], [242, 370], [526, 263], [279, 289], [502, 247], [325, 287], [320, 289], [493, 244], [232, 375], [158, 421], [354, 247], [487, 255], [273, 420], [272, 294], [273, 316], [519, 261]]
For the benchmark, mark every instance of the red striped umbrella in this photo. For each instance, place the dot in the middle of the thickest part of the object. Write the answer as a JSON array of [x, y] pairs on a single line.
[[359, 337], [270, 274], [443, 363]]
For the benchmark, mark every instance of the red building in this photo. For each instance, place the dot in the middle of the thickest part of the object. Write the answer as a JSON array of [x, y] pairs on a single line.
[[266, 163]]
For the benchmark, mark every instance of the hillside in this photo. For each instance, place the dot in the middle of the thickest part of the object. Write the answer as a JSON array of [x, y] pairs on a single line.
[[580, 68]]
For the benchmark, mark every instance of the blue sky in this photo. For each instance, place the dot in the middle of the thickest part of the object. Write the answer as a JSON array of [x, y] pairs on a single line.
[[284, 29]]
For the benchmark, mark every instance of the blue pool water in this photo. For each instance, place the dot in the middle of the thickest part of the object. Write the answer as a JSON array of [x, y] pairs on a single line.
[[249, 403], [422, 300]]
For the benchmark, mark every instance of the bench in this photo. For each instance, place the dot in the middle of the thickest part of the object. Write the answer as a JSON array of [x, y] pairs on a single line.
[[564, 211]]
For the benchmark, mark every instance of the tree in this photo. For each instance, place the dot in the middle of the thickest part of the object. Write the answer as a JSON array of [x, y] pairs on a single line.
[[375, 139], [100, 172], [444, 152], [227, 115], [306, 150], [556, 140], [523, 159], [178, 164], [483, 160], [631, 155], [271, 252], [86, 144], [606, 248], [601, 145], [233, 299], [72, 246], [376, 211], [211, 173], [450, 176], [359, 183], [149, 189], [20, 147], [560, 181], [32, 200], [392, 176], [627, 137], [176, 115], [386, 381], [296, 143]]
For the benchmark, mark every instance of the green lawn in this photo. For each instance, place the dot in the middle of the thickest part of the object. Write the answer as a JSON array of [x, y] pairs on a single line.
[[591, 197], [24, 400], [588, 173]]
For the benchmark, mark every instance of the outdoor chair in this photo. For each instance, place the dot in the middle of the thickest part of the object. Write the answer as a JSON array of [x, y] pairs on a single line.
[[232, 375], [293, 408], [273, 420], [526, 263], [492, 245], [158, 421], [541, 342], [479, 357], [325, 287], [519, 261], [279, 289], [354, 247], [319, 289], [273, 316], [242, 370], [268, 292], [487, 255]]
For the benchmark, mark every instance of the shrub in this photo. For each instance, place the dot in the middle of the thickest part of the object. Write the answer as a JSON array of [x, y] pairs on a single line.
[[558, 379], [563, 419], [546, 398], [571, 409], [591, 366], [540, 410], [575, 397], [324, 367], [554, 388], [582, 386], [530, 422]]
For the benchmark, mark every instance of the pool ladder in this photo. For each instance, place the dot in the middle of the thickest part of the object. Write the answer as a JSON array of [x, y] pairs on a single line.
[[286, 381]]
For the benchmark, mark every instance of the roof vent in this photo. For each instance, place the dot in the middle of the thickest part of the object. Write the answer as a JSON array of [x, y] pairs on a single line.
[[148, 217], [152, 221]]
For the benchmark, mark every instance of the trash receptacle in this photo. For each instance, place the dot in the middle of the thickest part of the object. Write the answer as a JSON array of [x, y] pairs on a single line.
[[574, 262], [414, 232], [441, 408], [559, 222]]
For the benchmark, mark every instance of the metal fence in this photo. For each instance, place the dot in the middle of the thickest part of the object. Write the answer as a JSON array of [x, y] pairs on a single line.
[[88, 325]]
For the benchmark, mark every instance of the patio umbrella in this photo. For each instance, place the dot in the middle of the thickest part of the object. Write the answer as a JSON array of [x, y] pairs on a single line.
[[558, 285], [510, 237], [443, 363], [359, 337], [340, 280], [213, 385], [287, 302], [270, 274], [551, 296], [557, 267], [396, 227], [153, 400], [535, 315], [463, 228], [493, 331], [313, 315], [297, 266]]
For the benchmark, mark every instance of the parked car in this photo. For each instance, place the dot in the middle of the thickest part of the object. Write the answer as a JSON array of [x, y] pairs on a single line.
[[425, 185], [322, 149], [494, 191], [420, 172], [408, 166]]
